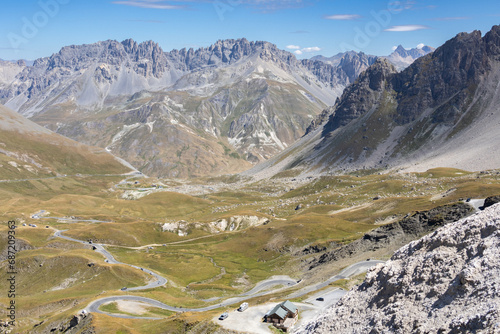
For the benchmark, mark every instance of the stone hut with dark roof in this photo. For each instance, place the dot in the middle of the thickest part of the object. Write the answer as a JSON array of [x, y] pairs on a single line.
[[283, 316]]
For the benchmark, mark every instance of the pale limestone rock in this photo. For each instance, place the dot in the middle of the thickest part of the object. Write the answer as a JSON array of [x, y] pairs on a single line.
[[446, 282]]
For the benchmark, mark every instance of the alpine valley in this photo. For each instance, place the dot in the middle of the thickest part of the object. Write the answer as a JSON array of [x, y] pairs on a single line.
[[180, 113], [159, 192]]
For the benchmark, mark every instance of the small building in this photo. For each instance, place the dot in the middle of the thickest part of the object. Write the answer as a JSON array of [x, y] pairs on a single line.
[[283, 316]]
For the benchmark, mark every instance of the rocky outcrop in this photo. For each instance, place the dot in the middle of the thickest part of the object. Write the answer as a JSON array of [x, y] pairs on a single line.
[[234, 223], [361, 96], [81, 323], [320, 119], [9, 70], [21, 245], [398, 233], [489, 201], [446, 282]]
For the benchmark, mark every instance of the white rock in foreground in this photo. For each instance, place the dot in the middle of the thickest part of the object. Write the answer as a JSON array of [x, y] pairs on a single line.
[[446, 282]]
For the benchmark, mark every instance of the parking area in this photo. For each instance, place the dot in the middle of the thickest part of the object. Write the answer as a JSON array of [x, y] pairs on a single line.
[[248, 321]]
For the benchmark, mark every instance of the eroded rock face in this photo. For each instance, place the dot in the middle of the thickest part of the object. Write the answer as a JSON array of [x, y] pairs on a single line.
[[398, 233], [80, 323], [360, 97], [446, 282], [489, 201], [183, 228]]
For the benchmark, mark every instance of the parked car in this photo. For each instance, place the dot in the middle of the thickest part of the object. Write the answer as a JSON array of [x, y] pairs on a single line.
[[243, 307], [223, 316], [124, 288], [320, 299]]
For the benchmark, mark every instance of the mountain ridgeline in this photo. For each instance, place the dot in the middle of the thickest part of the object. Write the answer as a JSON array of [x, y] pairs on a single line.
[[401, 58], [180, 113], [443, 110]]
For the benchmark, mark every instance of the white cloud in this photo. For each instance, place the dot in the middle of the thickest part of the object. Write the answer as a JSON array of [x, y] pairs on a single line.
[[420, 46], [344, 17], [311, 49], [152, 4], [394, 48], [408, 27], [293, 47], [306, 50]]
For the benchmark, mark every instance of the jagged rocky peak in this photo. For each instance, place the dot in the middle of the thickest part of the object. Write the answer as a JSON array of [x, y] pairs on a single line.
[[492, 39], [378, 73], [147, 49], [451, 71], [358, 98], [353, 64], [76, 56], [110, 52], [402, 58], [440, 110], [336, 59], [447, 72], [226, 52], [400, 50], [343, 67], [413, 53]]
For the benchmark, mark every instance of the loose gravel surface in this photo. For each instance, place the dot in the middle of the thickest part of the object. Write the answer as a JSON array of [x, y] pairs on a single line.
[[248, 321]]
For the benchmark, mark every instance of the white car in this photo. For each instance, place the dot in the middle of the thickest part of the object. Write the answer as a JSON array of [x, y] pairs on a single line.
[[243, 307]]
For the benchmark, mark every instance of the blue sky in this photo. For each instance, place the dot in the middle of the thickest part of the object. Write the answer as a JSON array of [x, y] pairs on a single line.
[[37, 28]]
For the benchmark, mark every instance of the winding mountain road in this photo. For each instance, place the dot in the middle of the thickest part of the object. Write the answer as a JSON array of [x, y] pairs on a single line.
[[352, 270], [160, 281], [262, 288]]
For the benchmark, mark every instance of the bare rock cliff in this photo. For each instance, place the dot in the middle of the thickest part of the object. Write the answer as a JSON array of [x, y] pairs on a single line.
[[446, 282]]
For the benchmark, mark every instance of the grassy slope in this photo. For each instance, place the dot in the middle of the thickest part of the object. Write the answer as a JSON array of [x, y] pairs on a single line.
[[335, 208], [45, 153]]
